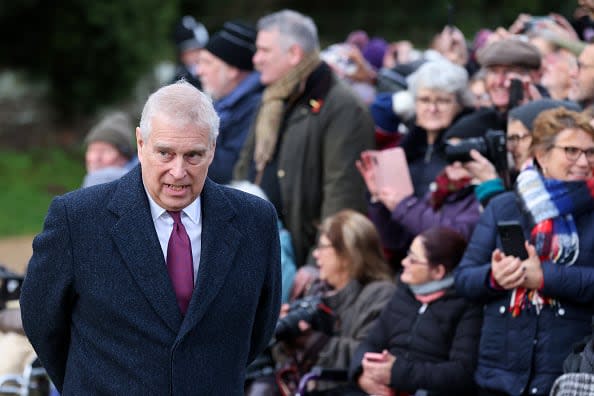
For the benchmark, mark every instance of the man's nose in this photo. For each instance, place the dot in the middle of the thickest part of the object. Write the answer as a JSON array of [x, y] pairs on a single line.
[[178, 168]]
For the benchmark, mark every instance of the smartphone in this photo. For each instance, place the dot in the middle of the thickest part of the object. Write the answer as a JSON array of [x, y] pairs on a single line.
[[512, 239], [516, 92]]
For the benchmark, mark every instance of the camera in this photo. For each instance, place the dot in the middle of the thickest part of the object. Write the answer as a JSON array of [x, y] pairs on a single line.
[[491, 146], [312, 310], [10, 286]]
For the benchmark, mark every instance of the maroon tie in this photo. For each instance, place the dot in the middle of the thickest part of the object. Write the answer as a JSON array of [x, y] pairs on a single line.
[[179, 262]]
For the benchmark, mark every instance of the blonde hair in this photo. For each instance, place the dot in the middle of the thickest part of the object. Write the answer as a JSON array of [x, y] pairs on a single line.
[[549, 123], [356, 240]]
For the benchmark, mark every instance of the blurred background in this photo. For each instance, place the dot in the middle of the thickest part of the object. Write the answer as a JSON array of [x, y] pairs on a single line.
[[63, 63]]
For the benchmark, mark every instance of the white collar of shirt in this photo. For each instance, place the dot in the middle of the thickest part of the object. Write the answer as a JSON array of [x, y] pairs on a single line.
[[191, 218]]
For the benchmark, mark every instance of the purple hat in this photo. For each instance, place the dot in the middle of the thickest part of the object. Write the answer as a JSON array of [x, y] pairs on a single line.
[[358, 38], [374, 52]]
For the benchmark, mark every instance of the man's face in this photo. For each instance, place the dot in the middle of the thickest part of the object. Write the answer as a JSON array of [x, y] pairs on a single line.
[[101, 155], [582, 78], [497, 80], [175, 160], [215, 75], [558, 67], [271, 59]]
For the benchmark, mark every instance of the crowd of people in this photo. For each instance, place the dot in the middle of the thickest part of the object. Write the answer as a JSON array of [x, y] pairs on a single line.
[[401, 293]]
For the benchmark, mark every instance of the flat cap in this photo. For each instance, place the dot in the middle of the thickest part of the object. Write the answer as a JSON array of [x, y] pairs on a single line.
[[510, 52]]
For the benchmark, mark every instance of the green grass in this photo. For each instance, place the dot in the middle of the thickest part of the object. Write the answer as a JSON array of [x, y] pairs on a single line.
[[30, 182]]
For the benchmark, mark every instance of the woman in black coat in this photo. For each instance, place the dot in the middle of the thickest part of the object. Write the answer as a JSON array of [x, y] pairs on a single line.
[[427, 336]]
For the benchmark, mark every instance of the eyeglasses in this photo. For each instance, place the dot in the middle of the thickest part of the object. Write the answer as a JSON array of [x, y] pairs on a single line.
[[321, 246], [440, 103], [513, 140], [574, 153], [413, 260]]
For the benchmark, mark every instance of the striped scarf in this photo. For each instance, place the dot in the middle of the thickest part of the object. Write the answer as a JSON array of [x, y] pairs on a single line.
[[552, 205]]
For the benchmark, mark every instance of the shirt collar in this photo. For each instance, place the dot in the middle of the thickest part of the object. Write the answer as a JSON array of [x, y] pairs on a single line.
[[192, 211]]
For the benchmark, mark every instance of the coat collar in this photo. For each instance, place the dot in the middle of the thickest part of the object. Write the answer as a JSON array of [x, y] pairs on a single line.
[[135, 236]]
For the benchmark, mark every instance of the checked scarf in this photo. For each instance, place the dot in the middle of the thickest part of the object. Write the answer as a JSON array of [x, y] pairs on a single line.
[[552, 205], [443, 187]]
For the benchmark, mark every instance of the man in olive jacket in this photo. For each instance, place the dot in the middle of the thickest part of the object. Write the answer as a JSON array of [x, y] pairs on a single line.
[[309, 131]]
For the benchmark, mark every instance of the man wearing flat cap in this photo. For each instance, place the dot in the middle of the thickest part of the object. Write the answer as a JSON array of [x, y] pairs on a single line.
[[504, 60], [227, 75]]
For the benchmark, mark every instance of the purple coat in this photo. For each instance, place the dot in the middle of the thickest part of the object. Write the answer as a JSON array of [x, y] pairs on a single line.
[[460, 211]]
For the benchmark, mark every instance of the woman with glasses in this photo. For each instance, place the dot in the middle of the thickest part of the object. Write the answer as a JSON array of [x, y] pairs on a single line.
[[520, 122], [536, 308], [426, 337], [440, 92], [358, 284]]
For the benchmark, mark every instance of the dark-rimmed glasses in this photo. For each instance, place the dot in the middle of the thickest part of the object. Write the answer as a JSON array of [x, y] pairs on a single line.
[[414, 260], [513, 140], [573, 153]]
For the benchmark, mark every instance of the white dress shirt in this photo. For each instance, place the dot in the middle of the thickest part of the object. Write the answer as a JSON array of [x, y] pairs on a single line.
[[192, 221]]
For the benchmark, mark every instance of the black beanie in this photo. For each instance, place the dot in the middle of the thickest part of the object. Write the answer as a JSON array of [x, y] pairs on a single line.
[[234, 44], [189, 34]]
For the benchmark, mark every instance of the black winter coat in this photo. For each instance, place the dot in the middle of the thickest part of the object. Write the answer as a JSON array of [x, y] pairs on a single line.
[[436, 345]]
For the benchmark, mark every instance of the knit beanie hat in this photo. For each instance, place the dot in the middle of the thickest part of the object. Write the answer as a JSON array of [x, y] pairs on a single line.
[[374, 52], [528, 112], [115, 129], [234, 44], [189, 34]]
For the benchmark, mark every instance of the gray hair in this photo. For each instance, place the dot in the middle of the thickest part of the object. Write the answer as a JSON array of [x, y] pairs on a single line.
[[294, 28], [441, 75], [183, 104]]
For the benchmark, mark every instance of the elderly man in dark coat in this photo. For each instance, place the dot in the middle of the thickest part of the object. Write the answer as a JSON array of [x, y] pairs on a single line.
[[159, 283]]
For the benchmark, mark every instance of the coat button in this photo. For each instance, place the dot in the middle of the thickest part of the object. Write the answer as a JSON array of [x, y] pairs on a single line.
[[280, 173], [502, 310], [534, 391], [561, 311]]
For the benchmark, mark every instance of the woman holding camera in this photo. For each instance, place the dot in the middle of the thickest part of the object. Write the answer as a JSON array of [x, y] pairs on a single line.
[[441, 196], [536, 308], [426, 338], [351, 263]]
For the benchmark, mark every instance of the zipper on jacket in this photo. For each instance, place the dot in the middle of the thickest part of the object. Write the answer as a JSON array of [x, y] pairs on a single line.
[[420, 312]]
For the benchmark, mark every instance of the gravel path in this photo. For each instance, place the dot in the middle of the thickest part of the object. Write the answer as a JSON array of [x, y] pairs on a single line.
[[15, 252]]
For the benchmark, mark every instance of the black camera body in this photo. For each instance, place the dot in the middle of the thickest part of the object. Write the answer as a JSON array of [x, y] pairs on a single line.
[[491, 146], [312, 310], [10, 286]]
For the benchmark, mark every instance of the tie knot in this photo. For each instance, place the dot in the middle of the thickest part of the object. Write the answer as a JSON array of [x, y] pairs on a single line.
[[175, 215]]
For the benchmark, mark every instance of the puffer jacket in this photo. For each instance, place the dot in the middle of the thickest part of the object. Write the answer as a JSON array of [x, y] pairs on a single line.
[[525, 353]]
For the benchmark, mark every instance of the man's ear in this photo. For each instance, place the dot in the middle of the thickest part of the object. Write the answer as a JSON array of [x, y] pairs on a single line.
[[139, 139], [296, 54]]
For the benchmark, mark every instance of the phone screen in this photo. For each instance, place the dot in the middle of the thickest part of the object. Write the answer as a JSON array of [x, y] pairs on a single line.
[[512, 239], [516, 92]]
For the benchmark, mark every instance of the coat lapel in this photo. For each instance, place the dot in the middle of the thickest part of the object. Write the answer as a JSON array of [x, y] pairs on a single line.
[[134, 234], [220, 240]]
